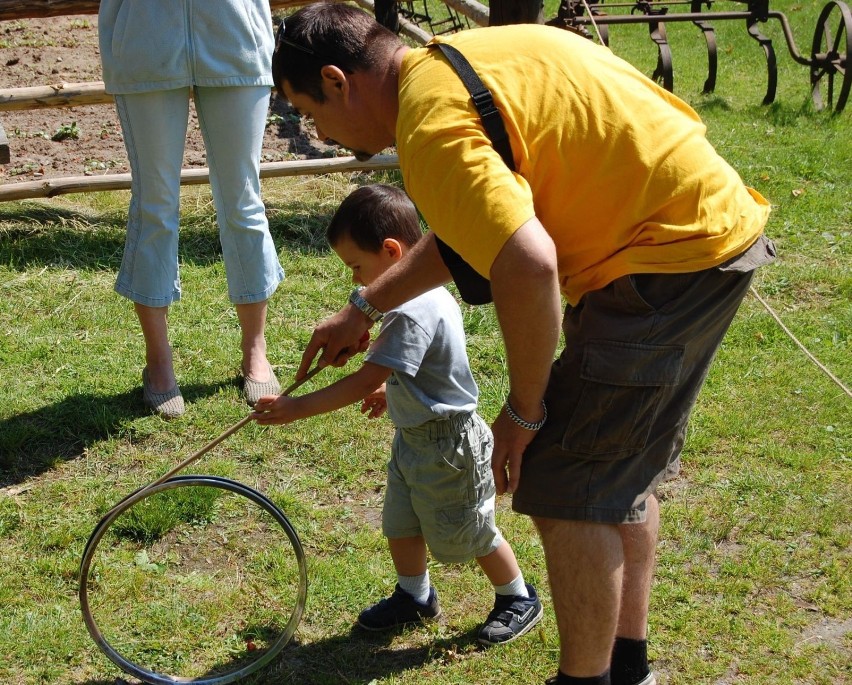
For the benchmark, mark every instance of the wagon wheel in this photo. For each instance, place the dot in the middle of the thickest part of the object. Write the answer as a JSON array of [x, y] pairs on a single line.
[[829, 57]]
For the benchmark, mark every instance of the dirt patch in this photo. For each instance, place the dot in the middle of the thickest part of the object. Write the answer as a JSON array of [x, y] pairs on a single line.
[[832, 632], [86, 140]]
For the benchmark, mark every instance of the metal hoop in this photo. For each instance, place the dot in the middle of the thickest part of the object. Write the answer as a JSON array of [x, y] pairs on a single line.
[[183, 481]]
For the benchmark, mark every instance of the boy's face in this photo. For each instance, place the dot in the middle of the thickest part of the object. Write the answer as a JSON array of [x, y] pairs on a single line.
[[367, 266]]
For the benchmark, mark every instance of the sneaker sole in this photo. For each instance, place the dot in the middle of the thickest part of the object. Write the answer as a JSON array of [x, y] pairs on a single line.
[[533, 622], [425, 619]]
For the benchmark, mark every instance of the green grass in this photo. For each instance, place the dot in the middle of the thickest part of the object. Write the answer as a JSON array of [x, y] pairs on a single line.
[[753, 583]]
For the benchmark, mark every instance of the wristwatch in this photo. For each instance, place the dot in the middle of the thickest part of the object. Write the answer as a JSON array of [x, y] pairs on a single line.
[[369, 310]]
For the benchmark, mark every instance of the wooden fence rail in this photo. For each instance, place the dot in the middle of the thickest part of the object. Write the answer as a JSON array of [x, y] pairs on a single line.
[[51, 187], [93, 93]]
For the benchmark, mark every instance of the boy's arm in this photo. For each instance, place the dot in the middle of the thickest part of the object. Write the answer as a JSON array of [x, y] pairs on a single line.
[[277, 409]]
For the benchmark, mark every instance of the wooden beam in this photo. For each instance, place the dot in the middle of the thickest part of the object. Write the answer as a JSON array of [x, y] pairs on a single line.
[[24, 9], [406, 27], [56, 95], [473, 10], [50, 187], [30, 9], [93, 93]]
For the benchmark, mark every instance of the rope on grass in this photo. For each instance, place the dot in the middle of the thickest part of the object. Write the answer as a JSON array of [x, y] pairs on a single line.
[[800, 345]]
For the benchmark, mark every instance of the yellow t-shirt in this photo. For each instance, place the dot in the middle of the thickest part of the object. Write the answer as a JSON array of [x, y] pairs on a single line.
[[617, 169]]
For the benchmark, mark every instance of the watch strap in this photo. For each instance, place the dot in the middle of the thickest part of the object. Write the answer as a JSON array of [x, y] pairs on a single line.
[[356, 299]]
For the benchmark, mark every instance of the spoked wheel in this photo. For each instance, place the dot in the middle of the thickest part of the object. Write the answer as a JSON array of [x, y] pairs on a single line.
[[215, 597], [830, 76]]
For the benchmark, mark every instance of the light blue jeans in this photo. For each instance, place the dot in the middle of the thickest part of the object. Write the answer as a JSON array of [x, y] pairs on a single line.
[[154, 125]]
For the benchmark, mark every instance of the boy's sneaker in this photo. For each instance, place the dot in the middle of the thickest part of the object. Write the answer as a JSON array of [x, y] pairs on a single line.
[[398, 610], [511, 617]]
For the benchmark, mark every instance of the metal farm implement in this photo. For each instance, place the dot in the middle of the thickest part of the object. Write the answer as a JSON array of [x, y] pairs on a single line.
[[829, 78]]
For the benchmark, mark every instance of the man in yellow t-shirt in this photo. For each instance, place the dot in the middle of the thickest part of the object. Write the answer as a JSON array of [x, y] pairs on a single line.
[[617, 202]]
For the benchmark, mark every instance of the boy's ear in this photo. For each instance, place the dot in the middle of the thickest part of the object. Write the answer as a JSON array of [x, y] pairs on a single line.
[[392, 247]]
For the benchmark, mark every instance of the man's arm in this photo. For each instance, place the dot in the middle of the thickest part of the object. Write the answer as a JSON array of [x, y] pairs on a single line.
[[527, 299], [337, 337]]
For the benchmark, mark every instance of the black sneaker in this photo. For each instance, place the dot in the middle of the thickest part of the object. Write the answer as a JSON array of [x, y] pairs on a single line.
[[511, 617], [398, 610]]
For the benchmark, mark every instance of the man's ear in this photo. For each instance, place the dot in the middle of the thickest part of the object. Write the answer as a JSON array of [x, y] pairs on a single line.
[[335, 78]]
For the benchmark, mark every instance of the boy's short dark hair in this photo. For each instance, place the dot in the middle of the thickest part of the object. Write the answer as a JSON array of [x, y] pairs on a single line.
[[327, 33], [373, 213]]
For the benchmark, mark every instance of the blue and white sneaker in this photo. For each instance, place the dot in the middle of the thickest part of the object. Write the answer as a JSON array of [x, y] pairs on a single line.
[[511, 617], [399, 609]]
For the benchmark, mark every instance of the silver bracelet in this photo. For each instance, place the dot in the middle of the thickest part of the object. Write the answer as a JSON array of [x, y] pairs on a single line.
[[529, 425]]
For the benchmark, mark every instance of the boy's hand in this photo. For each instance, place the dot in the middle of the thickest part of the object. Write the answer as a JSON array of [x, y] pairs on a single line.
[[275, 409], [375, 403]]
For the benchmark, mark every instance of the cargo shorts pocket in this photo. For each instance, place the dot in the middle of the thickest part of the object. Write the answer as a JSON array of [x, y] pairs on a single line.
[[622, 385]]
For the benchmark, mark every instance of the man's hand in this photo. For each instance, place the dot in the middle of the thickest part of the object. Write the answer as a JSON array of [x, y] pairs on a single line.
[[340, 337], [510, 441]]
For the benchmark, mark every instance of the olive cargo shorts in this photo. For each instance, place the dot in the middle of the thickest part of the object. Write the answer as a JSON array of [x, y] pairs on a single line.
[[619, 397]]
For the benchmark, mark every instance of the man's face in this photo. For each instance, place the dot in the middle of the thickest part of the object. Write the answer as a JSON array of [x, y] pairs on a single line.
[[336, 121]]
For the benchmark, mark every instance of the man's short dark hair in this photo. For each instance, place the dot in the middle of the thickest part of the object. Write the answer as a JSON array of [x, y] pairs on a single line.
[[373, 213], [327, 33]]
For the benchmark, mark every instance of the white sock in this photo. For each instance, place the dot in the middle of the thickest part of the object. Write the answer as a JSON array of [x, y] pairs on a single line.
[[516, 587], [416, 586]]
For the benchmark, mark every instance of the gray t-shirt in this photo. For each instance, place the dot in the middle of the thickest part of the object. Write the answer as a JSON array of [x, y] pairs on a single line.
[[423, 342]]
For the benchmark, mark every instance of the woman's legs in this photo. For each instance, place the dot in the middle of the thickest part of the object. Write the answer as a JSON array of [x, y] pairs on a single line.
[[232, 122], [252, 319], [158, 352], [154, 129]]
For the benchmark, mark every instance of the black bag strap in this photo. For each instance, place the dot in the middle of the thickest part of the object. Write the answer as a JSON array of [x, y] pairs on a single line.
[[482, 100], [473, 287]]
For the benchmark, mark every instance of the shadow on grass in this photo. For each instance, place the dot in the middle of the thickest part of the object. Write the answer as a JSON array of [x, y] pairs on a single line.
[[776, 113], [361, 657], [33, 442], [357, 657]]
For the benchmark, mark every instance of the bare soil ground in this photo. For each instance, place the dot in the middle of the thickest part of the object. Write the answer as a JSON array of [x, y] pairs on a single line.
[[86, 140]]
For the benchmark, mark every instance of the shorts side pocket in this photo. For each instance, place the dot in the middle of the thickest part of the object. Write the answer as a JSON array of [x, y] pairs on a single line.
[[622, 386]]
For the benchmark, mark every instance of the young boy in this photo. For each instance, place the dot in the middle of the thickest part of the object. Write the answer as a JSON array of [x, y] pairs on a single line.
[[440, 489]]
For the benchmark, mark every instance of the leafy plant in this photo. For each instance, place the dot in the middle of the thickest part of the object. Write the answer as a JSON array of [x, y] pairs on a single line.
[[65, 132]]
